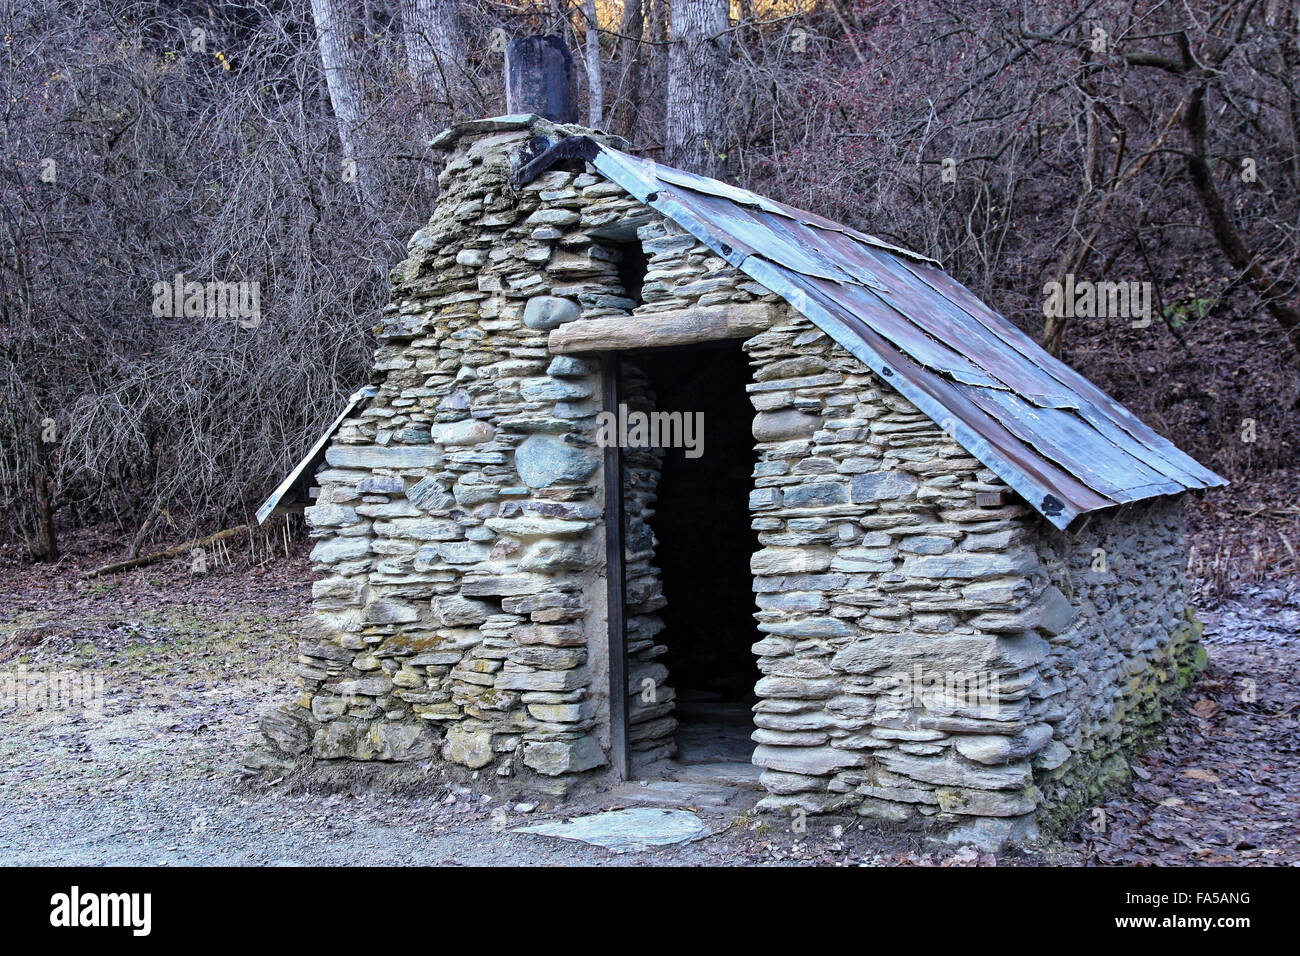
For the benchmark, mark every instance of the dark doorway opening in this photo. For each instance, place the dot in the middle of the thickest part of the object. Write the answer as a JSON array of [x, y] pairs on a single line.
[[702, 525]]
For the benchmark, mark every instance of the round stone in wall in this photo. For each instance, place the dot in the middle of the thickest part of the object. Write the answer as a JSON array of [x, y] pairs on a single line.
[[468, 431], [549, 312], [785, 425], [542, 460]]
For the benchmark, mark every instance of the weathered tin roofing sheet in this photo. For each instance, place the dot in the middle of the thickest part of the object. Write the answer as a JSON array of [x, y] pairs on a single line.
[[315, 454], [1053, 436]]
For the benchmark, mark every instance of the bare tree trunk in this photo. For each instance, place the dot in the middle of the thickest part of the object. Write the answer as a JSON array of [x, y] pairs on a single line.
[[1079, 247], [435, 57], [627, 106], [595, 80], [695, 116], [1291, 67], [46, 546], [655, 74], [1278, 297], [559, 17], [334, 27]]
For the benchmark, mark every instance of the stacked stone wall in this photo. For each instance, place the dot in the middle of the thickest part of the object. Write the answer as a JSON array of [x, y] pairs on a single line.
[[461, 600], [926, 660]]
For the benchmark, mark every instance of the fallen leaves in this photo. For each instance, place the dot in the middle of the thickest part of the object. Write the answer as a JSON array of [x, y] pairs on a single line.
[[1219, 789], [1205, 708]]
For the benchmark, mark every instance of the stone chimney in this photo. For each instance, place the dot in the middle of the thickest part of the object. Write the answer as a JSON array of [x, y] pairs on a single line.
[[539, 78]]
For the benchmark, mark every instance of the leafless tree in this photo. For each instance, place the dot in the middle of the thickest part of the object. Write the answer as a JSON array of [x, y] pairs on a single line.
[[631, 57], [695, 118], [337, 23], [595, 73], [435, 53]]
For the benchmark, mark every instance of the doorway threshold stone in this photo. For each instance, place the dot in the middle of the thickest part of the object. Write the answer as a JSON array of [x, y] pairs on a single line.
[[722, 773], [673, 793]]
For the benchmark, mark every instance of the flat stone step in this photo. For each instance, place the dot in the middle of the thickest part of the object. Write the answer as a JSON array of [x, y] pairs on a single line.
[[673, 793], [725, 774], [626, 831]]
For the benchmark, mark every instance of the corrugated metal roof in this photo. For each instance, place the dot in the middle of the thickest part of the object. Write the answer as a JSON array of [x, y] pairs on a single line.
[[1053, 436]]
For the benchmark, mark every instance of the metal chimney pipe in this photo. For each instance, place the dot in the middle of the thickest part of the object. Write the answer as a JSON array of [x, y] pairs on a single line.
[[539, 78]]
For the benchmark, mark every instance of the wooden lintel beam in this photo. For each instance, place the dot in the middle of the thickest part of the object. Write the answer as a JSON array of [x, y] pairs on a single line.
[[663, 329]]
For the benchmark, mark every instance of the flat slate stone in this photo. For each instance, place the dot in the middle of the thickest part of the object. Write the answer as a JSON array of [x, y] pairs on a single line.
[[626, 831], [383, 456], [722, 774], [816, 495], [883, 486], [672, 793]]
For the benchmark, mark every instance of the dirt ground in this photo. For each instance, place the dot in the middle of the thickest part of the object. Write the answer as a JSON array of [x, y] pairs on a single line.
[[152, 774]]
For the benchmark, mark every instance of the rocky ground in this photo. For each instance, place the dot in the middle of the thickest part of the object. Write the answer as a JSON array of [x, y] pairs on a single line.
[[151, 774]]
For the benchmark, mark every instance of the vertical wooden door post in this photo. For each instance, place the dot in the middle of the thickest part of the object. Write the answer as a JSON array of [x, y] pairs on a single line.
[[615, 578]]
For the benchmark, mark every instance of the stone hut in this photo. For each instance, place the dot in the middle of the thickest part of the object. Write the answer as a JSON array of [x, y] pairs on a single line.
[[660, 478]]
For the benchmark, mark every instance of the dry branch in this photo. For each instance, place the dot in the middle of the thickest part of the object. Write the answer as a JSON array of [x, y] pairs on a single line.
[[166, 553]]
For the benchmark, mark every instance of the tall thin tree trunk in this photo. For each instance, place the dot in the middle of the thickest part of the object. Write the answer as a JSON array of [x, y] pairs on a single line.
[[335, 24], [1291, 67], [695, 115], [46, 546], [595, 79], [435, 56], [631, 60], [559, 17]]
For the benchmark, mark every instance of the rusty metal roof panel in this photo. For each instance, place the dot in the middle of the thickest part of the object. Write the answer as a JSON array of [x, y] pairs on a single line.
[[1104, 413], [1052, 490], [1061, 436], [763, 233], [1065, 445], [894, 325]]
